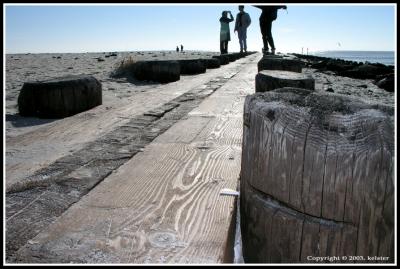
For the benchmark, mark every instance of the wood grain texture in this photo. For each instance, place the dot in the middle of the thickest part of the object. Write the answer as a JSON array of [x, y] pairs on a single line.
[[163, 205], [327, 158], [279, 63], [176, 210], [268, 80]]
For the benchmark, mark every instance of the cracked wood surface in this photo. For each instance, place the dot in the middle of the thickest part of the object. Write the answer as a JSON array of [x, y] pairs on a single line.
[[163, 205], [317, 177]]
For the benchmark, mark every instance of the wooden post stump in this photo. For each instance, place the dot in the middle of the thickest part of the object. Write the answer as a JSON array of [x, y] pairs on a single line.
[[160, 71], [317, 179], [212, 63], [192, 66], [269, 80], [275, 62], [232, 57], [223, 59], [59, 97]]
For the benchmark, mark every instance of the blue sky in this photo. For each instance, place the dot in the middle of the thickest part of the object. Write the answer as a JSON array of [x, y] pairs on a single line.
[[94, 28]]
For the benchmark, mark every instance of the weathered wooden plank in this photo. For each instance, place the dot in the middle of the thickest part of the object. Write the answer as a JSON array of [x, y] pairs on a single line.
[[178, 201], [162, 206]]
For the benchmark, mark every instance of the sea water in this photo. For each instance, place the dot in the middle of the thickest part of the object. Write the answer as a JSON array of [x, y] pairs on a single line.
[[383, 57]]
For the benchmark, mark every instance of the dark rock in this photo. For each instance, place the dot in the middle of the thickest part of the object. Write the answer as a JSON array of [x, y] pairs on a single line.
[[60, 97], [319, 65], [387, 83], [366, 71], [100, 59], [338, 66]]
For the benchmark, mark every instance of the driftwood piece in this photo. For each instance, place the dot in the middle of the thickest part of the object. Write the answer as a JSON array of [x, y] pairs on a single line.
[[160, 71], [269, 80], [317, 178], [59, 97], [274, 62]]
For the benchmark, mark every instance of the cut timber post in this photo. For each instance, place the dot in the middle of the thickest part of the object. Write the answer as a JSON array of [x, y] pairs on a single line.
[[222, 58], [160, 71], [316, 178], [59, 97], [269, 80], [234, 56], [212, 63], [279, 63], [192, 66]]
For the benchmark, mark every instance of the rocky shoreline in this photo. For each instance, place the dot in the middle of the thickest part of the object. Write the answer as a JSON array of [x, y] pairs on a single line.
[[382, 75]]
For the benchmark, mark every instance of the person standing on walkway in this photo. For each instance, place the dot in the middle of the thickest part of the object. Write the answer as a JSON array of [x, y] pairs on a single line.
[[242, 22], [268, 15], [181, 48], [225, 35]]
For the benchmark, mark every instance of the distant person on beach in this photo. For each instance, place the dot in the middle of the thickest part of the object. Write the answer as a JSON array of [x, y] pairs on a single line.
[[181, 48], [242, 22], [268, 15], [225, 35], [177, 48]]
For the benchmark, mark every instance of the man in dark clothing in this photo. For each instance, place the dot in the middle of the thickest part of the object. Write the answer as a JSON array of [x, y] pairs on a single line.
[[242, 23], [268, 15]]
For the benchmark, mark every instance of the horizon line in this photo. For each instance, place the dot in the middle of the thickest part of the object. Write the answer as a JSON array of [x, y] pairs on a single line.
[[105, 51]]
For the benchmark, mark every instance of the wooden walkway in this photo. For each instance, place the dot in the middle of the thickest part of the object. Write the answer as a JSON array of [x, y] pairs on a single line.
[[163, 205]]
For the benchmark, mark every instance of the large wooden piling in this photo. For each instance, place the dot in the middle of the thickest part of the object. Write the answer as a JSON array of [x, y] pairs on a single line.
[[274, 62], [316, 178], [269, 80], [59, 97]]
